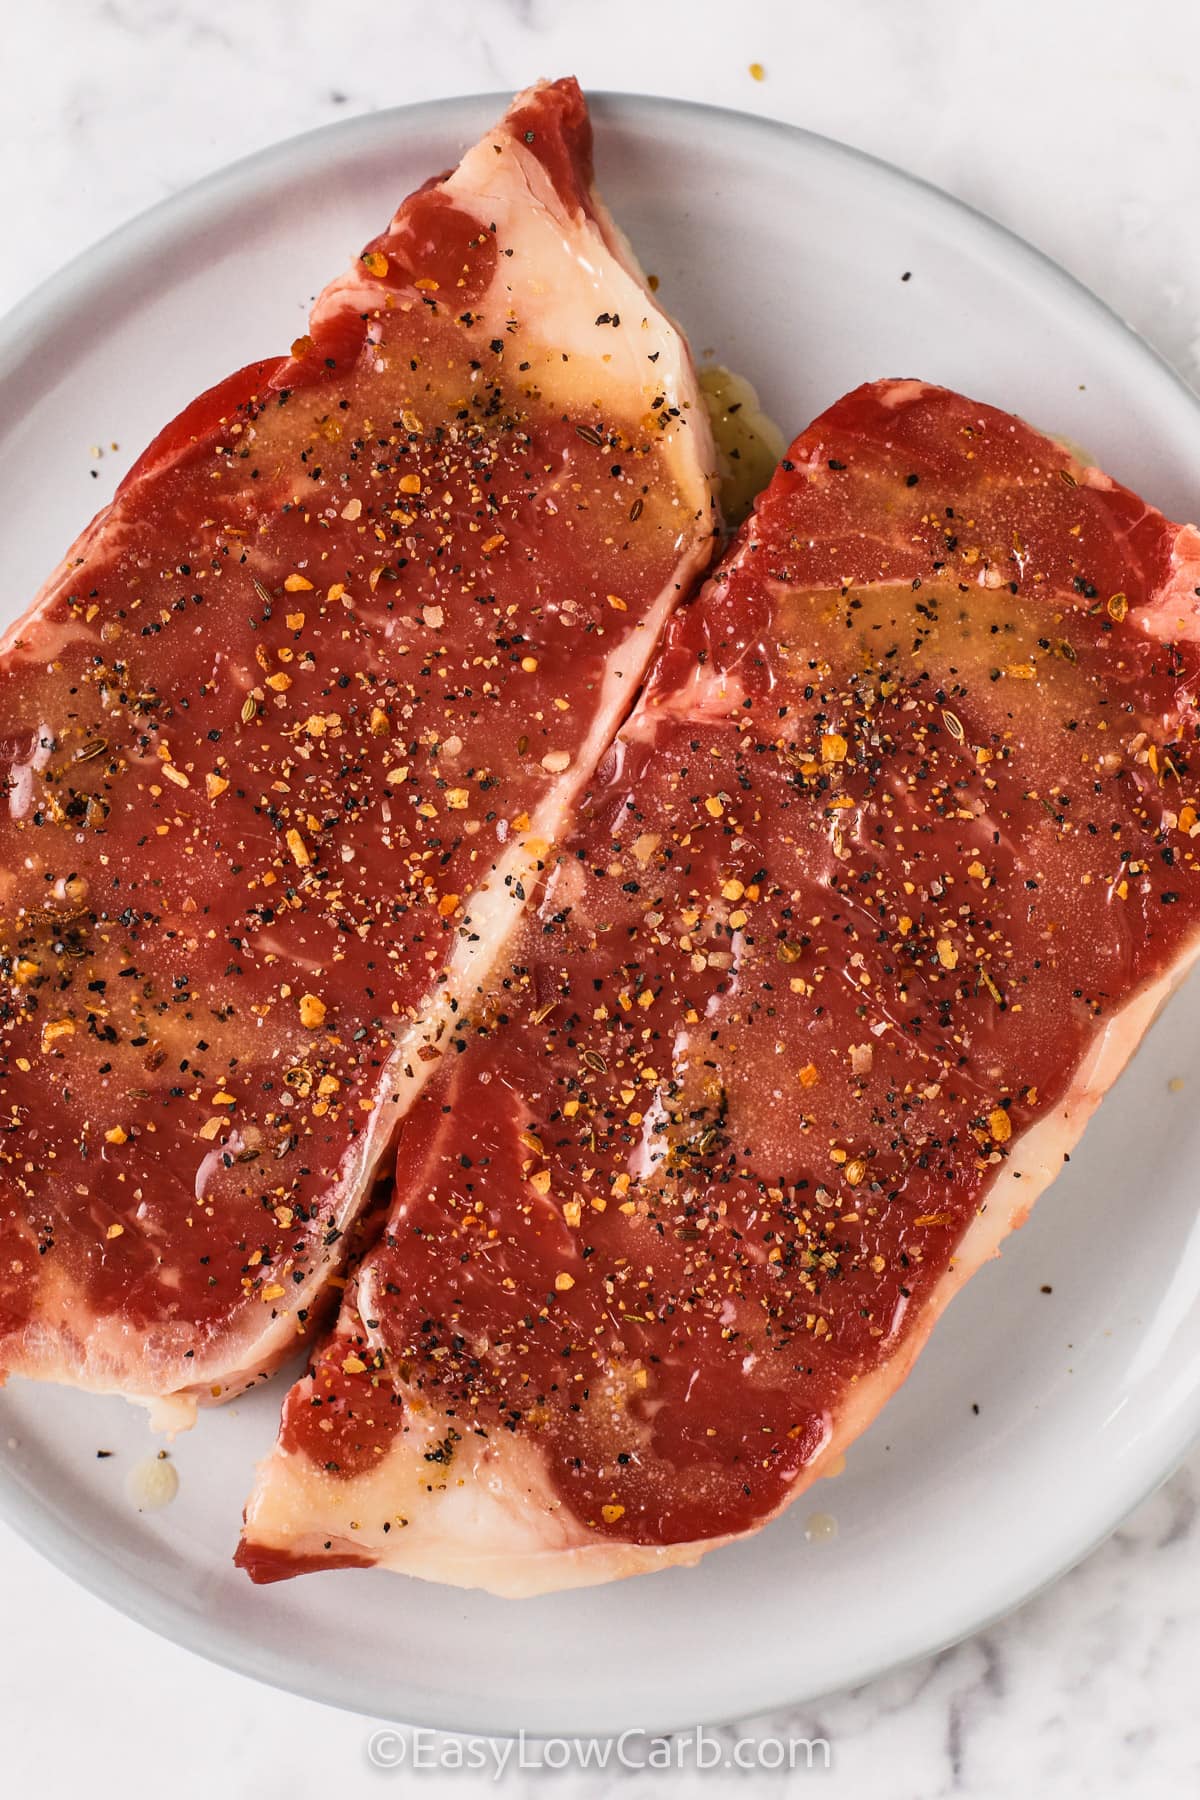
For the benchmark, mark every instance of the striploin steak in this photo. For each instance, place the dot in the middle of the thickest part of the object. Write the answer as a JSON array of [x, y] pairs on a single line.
[[873, 896], [287, 736]]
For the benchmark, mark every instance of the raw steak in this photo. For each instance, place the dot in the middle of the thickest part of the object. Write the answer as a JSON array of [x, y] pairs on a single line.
[[287, 734], [880, 886]]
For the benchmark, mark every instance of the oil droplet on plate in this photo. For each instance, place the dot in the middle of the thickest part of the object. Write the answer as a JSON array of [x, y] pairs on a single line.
[[152, 1483], [749, 443], [820, 1528]]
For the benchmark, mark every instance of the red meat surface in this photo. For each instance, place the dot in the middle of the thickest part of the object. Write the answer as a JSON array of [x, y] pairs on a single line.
[[287, 736], [874, 894]]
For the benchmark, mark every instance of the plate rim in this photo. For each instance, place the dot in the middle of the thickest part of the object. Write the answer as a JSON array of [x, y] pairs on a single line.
[[36, 316]]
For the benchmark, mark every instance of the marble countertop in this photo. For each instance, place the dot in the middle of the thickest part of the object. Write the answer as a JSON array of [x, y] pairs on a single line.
[[1076, 125]]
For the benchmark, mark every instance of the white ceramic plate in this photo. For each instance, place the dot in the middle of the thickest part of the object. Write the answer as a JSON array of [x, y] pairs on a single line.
[[785, 255]]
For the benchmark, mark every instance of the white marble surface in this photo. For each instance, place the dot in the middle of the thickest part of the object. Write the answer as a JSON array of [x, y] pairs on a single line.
[[1078, 124]]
